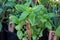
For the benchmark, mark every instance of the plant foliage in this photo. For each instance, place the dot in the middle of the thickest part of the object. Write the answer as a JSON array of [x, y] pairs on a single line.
[[37, 16]]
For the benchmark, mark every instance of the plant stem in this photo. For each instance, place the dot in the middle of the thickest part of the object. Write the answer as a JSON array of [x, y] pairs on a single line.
[[28, 30]]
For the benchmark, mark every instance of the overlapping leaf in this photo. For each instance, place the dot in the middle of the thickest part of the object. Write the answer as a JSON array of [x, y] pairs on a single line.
[[40, 9], [20, 25], [20, 34], [21, 8], [28, 3], [48, 25], [23, 15], [31, 19], [14, 19]]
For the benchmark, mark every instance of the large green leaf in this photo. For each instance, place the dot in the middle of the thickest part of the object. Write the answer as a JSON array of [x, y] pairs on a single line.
[[57, 32], [21, 8], [18, 27], [49, 15], [24, 38], [14, 19], [31, 19], [48, 25], [38, 31], [52, 15], [40, 9], [34, 37], [41, 33], [23, 15], [43, 20], [20, 34]]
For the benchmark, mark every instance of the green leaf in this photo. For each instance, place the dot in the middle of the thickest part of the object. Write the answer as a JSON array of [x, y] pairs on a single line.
[[18, 27], [52, 15], [14, 19], [23, 15], [44, 2], [28, 3], [31, 19], [20, 34], [49, 15], [24, 38], [48, 25], [25, 34], [34, 37], [40, 9], [43, 20], [38, 31], [41, 33], [46, 16], [41, 25], [21, 8], [10, 4], [57, 32]]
